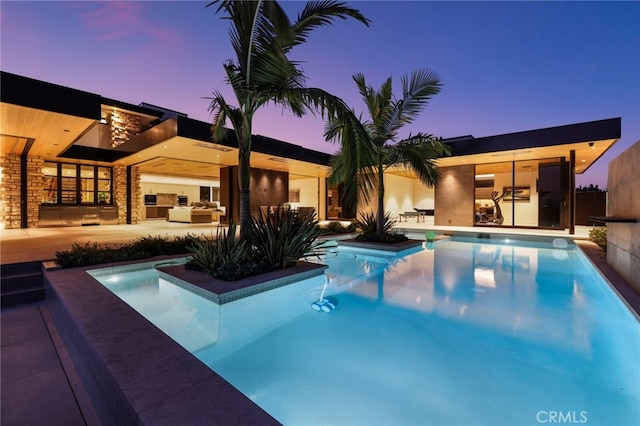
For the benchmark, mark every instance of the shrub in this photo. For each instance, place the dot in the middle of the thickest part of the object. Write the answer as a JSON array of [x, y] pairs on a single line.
[[157, 246], [368, 226], [225, 256], [142, 248], [283, 237], [94, 254], [598, 235], [336, 227]]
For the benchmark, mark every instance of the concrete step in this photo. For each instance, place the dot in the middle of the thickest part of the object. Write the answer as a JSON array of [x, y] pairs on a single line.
[[21, 283]]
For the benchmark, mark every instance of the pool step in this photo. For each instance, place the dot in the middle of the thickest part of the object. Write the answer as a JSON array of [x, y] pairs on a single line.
[[21, 283]]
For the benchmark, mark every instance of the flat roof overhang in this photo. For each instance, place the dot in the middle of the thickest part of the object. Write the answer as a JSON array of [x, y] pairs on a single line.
[[183, 147], [47, 120], [590, 140]]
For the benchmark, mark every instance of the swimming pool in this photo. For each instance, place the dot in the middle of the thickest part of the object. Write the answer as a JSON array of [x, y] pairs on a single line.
[[470, 332]]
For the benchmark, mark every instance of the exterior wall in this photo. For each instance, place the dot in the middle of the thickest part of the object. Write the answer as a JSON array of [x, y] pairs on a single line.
[[423, 196], [623, 239], [35, 186], [137, 198], [308, 192], [10, 206], [10, 192], [454, 196], [398, 195], [120, 194]]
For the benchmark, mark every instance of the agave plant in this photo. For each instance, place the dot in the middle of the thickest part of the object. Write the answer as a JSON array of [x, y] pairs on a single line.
[[225, 256], [369, 230], [283, 237]]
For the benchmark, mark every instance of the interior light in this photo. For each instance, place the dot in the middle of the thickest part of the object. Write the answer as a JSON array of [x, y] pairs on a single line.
[[507, 154], [213, 146]]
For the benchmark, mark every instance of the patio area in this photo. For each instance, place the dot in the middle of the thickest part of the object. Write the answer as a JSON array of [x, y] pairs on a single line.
[[39, 244]]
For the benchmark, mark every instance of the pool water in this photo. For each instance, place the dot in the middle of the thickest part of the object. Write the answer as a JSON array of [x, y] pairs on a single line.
[[466, 333]]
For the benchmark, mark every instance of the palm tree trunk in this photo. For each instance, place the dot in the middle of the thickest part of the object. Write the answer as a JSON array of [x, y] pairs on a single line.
[[380, 220], [244, 175]]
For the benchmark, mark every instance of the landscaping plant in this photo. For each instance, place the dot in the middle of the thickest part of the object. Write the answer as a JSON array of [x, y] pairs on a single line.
[[370, 147], [370, 232], [336, 227], [142, 248], [263, 72], [283, 237], [226, 257], [598, 235]]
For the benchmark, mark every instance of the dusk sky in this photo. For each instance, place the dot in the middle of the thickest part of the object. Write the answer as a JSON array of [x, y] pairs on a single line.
[[505, 66]]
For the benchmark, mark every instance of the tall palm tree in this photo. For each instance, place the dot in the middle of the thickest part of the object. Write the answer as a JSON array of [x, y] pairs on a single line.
[[262, 36], [371, 148]]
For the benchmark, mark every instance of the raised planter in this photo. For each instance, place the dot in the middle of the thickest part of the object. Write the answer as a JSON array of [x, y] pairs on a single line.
[[390, 247], [223, 292]]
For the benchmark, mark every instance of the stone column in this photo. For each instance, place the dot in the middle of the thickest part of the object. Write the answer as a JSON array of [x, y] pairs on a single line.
[[10, 194], [10, 191], [120, 192], [35, 186], [136, 196]]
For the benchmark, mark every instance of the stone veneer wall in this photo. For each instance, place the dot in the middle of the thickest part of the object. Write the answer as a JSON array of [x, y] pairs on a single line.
[[120, 194], [10, 210], [123, 127], [136, 196], [455, 196], [623, 239]]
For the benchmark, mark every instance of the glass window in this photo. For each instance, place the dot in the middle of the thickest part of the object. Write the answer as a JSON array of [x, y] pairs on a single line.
[[549, 194], [74, 184], [104, 185], [50, 188], [489, 184], [521, 193]]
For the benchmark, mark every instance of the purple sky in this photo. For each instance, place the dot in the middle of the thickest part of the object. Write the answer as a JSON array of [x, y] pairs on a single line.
[[505, 66]]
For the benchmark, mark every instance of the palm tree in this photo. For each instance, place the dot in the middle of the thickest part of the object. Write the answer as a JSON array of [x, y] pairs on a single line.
[[372, 147], [262, 36]]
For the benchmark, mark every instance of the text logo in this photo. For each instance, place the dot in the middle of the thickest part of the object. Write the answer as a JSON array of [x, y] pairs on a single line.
[[561, 417]]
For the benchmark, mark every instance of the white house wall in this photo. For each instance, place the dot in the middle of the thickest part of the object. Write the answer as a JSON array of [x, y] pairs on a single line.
[[308, 192], [399, 192]]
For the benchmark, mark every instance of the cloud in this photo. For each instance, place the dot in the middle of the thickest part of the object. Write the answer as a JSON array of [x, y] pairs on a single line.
[[116, 20]]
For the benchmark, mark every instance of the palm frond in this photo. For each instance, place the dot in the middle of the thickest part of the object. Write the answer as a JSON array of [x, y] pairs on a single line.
[[417, 90], [418, 153], [321, 13]]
